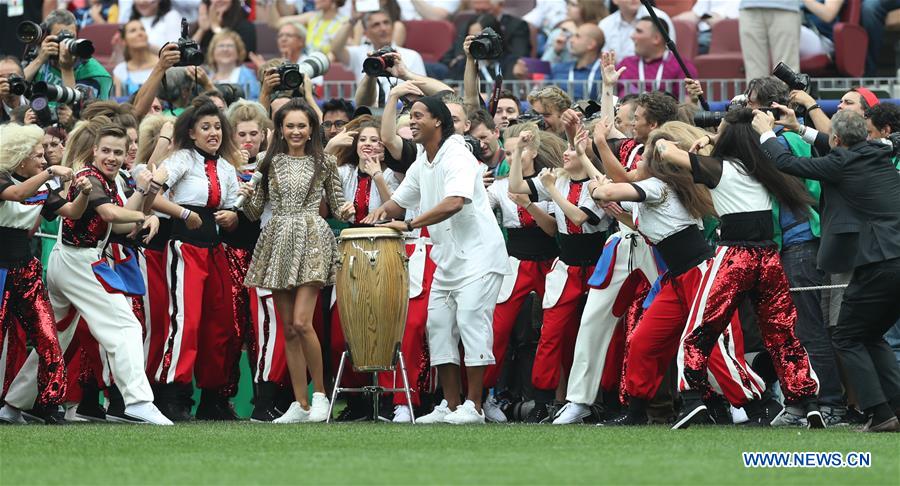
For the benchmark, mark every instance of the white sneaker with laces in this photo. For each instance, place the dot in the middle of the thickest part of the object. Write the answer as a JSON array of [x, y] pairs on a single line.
[[144, 413], [492, 411], [571, 413], [402, 414], [295, 414], [318, 410], [436, 416], [12, 415], [465, 414]]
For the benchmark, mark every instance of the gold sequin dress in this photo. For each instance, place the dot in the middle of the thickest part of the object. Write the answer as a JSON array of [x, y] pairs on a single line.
[[297, 246]]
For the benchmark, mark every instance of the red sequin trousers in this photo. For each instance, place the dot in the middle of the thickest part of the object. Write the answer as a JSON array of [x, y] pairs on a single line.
[[735, 273], [27, 305], [238, 263]]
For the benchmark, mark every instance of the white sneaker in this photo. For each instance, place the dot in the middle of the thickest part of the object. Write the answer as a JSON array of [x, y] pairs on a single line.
[[402, 415], [436, 416], [141, 413], [318, 410], [71, 415], [465, 414], [571, 413], [12, 415], [294, 415], [492, 411]]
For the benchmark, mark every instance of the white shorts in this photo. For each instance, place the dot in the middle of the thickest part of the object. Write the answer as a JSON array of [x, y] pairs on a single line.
[[466, 313]]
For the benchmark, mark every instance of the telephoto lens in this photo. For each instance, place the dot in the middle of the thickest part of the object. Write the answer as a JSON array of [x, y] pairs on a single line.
[[315, 65], [59, 94], [708, 119], [29, 32], [81, 48]]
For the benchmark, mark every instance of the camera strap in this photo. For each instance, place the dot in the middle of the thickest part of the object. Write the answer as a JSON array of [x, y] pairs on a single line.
[[495, 95]]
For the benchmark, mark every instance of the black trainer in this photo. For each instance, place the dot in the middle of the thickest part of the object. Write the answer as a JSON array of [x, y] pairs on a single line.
[[719, 410], [89, 407], [45, 414], [168, 400], [264, 402], [693, 412], [761, 413], [814, 418], [358, 409], [213, 406], [539, 414], [636, 415], [116, 402]]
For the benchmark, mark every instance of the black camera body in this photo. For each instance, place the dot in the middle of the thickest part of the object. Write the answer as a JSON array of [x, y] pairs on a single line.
[[80, 48], [474, 146], [17, 85], [191, 54], [530, 116], [487, 45], [590, 109], [377, 63], [711, 119], [290, 76], [794, 80]]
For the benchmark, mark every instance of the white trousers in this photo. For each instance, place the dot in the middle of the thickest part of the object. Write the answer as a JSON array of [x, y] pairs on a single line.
[[598, 322]]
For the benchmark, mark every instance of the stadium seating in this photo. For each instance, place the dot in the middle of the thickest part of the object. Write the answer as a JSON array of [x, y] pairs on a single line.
[[101, 35], [430, 38], [686, 35], [850, 44], [674, 7], [266, 40]]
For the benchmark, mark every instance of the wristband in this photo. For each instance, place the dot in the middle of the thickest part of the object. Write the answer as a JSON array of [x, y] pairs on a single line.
[[140, 190], [528, 205], [165, 137], [185, 214], [815, 106], [49, 172]]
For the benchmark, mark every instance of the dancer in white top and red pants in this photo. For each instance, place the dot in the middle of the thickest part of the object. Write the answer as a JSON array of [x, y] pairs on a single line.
[[200, 331], [582, 225]]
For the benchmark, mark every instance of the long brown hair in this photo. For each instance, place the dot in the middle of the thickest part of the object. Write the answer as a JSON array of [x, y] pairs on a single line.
[[278, 145], [695, 197], [201, 107], [349, 155]]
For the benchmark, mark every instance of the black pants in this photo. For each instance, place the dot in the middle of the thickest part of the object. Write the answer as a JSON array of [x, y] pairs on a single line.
[[870, 307]]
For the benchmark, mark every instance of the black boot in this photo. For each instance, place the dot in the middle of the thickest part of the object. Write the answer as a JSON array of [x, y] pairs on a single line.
[[636, 414], [116, 406], [89, 407], [167, 400], [761, 413], [719, 410], [213, 406], [45, 414], [358, 409], [693, 411], [541, 411], [264, 402]]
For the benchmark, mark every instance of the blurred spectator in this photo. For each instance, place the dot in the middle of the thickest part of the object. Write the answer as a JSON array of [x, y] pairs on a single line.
[[130, 74], [652, 62], [185, 8], [548, 14], [858, 100], [379, 29], [482, 127], [97, 12], [618, 26], [550, 102], [9, 65], [817, 33], [291, 41], [508, 109], [321, 24], [57, 66], [336, 113], [226, 49], [215, 15], [585, 48], [704, 15], [392, 8], [769, 29], [161, 22], [874, 13], [578, 12], [514, 31]]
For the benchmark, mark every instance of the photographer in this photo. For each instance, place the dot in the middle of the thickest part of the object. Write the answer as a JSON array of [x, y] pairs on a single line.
[[56, 65], [367, 93], [379, 29], [9, 67], [859, 188], [451, 65]]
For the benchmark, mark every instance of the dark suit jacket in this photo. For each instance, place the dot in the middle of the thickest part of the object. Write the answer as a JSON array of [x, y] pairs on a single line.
[[859, 204], [516, 44]]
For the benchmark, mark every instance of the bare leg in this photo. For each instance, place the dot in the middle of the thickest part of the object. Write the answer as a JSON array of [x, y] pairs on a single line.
[[475, 375], [284, 303], [304, 309], [448, 374]]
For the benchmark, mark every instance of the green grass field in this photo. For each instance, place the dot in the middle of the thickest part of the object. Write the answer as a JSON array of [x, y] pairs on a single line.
[[245, 453]]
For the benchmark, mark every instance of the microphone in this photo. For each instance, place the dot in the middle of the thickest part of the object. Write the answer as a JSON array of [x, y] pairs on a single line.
[[254, 180]]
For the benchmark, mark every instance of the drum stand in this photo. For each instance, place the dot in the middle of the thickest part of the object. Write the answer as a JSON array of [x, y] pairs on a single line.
[[375, 390]]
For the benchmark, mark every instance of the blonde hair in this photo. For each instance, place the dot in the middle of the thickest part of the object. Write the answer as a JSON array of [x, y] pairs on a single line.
[[148, 135], [18, 142], [222, 35], [551, 96], [80, 144], [549, 147], [246, 111], [694, 197]]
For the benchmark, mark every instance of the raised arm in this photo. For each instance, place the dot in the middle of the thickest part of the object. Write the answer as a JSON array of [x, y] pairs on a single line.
[[339, 42], [367, 92], [143, 100], [32, 185], [547, 178], [392, 142], [471, 83], [517, 184]]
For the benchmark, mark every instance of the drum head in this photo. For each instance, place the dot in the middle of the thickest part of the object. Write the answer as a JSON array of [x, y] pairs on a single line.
[[366, 233]]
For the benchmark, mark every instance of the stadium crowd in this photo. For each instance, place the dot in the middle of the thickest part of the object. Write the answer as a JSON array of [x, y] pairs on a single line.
[[606, 250]]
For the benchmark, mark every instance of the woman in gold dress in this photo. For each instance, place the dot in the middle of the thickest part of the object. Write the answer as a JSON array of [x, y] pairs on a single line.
[[296, 252]]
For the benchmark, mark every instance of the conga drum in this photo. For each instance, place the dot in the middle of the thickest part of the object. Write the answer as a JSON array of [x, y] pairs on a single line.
[[372, 295]]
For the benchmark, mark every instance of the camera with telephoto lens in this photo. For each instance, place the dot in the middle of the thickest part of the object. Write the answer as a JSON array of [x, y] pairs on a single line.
[[790, 78], [378, 62], [486, 45], [710, 119], [80, 48], [191, 54], [17, 85], [29, 32], [45, 115], [474, 146], [291, 75], [530, 116], [59, 94]]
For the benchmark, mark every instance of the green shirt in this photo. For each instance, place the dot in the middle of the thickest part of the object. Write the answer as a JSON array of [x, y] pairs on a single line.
[[90, 73]]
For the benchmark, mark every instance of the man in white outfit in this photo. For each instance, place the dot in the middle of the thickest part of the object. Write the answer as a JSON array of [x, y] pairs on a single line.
[[445, 183]]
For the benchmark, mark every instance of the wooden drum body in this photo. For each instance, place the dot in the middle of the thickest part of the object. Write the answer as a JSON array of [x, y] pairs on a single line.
[[372, 295]]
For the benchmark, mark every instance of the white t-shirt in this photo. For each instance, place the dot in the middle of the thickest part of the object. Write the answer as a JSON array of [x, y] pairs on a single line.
[[358, 54], [597, 221], [123, 74], [660, 214], [189, 185], [408, 10], [188, 9], [468, 244], [167, 29], [547, 14], [726, 8], [498, 193], [617, 32]]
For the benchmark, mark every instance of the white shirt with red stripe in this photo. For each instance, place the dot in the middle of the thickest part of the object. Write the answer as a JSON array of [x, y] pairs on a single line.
[[577, 193], [514, 216], [190, 182], [352, 184]]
